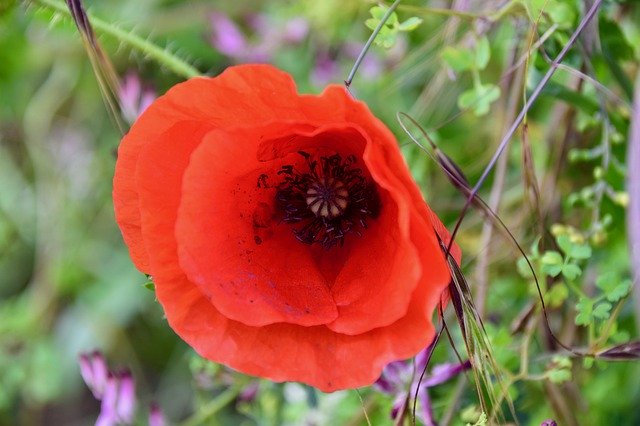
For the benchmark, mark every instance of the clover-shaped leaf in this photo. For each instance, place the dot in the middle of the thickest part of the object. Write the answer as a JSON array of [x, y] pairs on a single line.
[[458, 59], [389, 31], [612, 287], [377, 12], [479, 98], [571, 271], [552, 263], [573, 249], [483, 53], [557, 295], [523, 268], [602, 310], [386, 37], [560, 12], [585, 311], [560, 370], [410, 24]]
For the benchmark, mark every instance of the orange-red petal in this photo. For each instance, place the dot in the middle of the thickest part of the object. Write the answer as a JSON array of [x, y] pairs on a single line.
[[232, 246], [242, 291], [255, 93]]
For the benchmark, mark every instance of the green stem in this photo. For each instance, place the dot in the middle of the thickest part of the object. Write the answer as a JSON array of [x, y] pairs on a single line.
[[606, 330], [573, 286], [209, 410], [421, 10], [367, 45], [134, 41]]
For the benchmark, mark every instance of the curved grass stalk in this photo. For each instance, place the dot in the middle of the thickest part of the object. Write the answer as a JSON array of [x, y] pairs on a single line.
[[160, 55]]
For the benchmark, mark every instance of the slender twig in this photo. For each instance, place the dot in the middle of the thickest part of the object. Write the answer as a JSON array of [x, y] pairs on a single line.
[[633, 187], [163, 57], [422, 374], [367, 45], [212, 407], [455, 399], [421, 10], [495, 198], [364, 408], [534, 96]]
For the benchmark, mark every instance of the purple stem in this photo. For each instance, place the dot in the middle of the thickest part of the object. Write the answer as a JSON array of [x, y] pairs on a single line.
[[633, 188], [534, 96]]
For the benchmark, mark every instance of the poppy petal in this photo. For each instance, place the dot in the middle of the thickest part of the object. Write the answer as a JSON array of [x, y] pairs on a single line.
[[361, 286], [231, 245], [331, 320], [360, 114], [159, 182], [283, 352], [261, 92]]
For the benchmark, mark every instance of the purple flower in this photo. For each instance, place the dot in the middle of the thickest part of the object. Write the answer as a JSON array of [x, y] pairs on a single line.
[[549, 422], [295, 30], [126, 404], [156, 416], [108, 416], [116, 391], [226, 37], [266, 37], [118, 401], [133, 99], [398, 375], [249, 392], [326, 69], [94, 372]]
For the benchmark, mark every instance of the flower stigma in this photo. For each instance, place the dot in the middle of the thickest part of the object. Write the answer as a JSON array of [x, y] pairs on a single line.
[[329, 200]]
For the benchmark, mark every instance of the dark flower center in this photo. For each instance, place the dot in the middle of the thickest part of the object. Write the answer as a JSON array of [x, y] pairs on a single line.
[[329, 200]]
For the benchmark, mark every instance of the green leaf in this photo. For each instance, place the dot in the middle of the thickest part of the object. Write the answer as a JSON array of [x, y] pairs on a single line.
[[551, 257], [377, 12], [388, 32], [523, 268], [572, 249], [386, 37], [552, 263], [559, 376], [619, 291], [483, 53], [571, 271], [557, 295], [562, 14], [410, 24], [565, 243], [587, 363], [614, 41], [580, 251], [479, 98], [535, 250], [482, 421], [613, 289], [585, 311], [372, 23], [560, 370], [458, 59], [149, 285], [602, 310]]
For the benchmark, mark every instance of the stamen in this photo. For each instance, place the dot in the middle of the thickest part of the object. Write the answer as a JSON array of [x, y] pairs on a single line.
[[329, 201]]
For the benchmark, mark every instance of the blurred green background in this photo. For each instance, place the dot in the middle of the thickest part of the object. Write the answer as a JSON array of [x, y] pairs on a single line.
[[66, 282]]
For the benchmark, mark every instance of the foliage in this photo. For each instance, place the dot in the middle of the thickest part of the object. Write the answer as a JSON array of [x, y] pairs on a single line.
[[67, 285]]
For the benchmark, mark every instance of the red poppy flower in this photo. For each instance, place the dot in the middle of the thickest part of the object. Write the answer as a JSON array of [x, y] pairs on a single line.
[[284, 233]]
